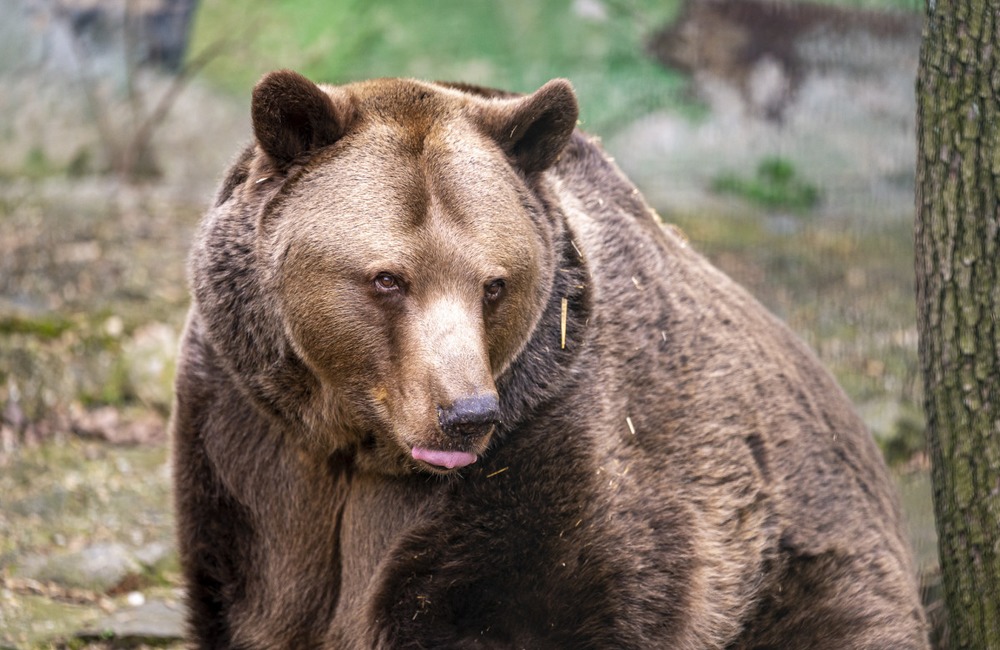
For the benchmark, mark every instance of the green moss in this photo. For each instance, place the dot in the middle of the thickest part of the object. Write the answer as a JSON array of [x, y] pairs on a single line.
[[49, 326]]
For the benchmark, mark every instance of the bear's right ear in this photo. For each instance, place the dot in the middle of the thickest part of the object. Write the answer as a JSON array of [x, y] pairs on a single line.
[[293, 116], [533, 129]]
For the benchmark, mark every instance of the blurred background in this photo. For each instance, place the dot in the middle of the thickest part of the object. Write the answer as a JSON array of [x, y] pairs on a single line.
[[778, 136]]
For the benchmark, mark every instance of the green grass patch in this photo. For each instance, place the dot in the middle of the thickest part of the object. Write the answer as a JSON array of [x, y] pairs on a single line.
[[774, 185]]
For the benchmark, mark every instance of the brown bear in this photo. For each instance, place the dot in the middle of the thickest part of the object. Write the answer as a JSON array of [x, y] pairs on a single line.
[[448, 383]]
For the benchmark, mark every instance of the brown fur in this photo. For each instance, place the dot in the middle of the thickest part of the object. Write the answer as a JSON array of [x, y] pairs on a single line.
[[677, 471]]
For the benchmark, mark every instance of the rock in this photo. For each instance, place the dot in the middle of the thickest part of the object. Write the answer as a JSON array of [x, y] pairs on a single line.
[[32, 621], [150, 358], [99, 567], [108, 423], [154, 621], [152, 554]]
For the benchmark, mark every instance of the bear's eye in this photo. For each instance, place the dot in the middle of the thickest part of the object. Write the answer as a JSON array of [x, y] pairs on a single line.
[[387, 283], [494, 290]]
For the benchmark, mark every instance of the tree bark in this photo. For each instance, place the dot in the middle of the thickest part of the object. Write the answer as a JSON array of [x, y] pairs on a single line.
[[958, 303]]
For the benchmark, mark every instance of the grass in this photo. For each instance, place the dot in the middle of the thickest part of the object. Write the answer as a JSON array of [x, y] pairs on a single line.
[[517, 45], [775, 185]]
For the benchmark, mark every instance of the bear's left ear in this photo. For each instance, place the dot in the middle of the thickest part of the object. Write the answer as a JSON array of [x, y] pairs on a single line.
[[293, 116], [533, 130]]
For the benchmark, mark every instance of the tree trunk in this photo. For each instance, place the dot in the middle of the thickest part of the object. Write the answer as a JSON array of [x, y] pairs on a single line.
[[958, 302]]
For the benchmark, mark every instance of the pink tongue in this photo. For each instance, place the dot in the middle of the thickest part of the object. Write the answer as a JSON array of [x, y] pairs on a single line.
[[447, 459]]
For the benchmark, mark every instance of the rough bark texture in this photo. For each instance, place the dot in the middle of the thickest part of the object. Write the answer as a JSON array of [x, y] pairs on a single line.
[[958, 297]]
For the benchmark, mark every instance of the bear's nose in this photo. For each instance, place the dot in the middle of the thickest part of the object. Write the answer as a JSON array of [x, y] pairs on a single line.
[[470, 416]]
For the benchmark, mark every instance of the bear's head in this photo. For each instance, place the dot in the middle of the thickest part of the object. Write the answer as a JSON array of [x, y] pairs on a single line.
[[380, 257]]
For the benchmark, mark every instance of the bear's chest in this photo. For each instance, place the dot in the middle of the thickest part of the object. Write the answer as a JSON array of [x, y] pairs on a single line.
[[509, 555], [493, 556]]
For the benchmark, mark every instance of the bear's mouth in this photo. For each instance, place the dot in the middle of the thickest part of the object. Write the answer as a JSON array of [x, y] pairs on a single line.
[[442, 459]]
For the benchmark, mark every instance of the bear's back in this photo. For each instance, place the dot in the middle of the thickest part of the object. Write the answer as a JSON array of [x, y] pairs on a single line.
[[709, 368]]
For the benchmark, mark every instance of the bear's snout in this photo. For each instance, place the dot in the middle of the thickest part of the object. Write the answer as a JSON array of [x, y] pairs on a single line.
[[470, 417]]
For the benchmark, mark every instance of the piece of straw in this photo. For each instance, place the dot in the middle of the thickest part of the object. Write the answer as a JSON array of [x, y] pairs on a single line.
[[562, 324]]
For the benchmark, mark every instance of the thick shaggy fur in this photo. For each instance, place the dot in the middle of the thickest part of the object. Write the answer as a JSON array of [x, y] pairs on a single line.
[[667, 467]]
